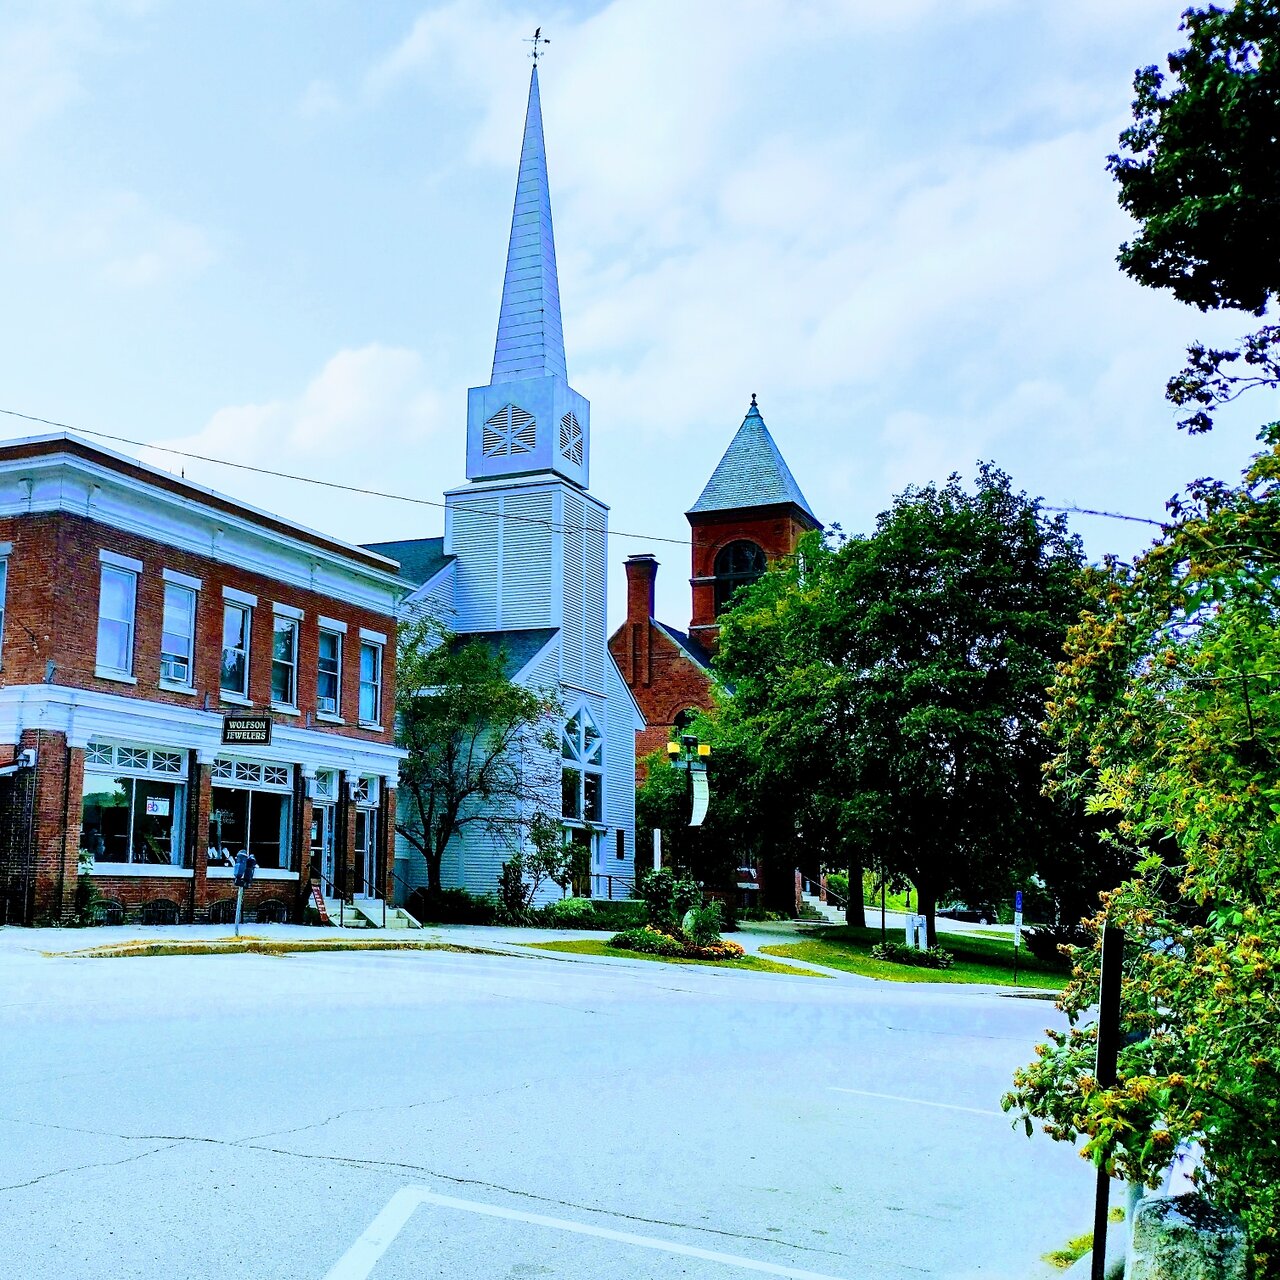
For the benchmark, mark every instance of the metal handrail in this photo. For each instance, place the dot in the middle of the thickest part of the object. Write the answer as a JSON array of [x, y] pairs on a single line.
[[342, 902]]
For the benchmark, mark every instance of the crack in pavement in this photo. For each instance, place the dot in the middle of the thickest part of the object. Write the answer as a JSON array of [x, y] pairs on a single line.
[[97, 1164], [171, 1141]]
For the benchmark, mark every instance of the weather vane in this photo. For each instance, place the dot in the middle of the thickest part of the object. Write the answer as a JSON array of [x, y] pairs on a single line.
[[538, 40]]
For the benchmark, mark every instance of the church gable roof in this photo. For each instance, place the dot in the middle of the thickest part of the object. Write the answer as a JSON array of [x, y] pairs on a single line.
[[752, 473], [420, 559], [519, 647], [691, 648]]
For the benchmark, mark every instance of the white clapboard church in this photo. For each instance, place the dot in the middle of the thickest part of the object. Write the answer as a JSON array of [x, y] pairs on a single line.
[[523, 559]]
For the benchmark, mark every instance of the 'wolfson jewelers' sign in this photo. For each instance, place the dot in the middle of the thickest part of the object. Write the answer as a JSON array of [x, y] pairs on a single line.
[[246, 730]]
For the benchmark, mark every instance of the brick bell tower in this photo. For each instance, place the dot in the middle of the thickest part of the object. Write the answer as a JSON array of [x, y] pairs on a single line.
[[750, 513]]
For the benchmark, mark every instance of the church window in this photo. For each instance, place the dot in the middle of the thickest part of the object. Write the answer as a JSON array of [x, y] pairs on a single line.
[[582, 779], [571, 439], [510, 432], [738, 565], [684, 719]]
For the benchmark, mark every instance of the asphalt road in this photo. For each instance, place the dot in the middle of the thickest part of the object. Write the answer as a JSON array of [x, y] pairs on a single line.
[[436, 1114]]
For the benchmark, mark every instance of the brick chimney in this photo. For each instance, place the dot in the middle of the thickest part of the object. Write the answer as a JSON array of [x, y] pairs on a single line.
[[642, 573]]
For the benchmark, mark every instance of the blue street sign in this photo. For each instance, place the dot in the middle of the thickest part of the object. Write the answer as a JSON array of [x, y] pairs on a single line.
[[1017, 901]]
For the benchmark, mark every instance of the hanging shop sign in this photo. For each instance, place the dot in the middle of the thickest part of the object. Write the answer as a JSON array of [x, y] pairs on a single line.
[[246, 730]]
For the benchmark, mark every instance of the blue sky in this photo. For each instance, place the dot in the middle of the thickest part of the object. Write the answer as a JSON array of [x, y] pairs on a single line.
[[275, 233]]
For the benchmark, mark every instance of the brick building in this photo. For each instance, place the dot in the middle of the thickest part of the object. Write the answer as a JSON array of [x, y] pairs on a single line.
[[136, 611], [750, 513]]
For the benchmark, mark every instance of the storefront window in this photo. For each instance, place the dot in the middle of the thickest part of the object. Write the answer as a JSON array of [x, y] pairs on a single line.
[[251, 811], [132, 820]]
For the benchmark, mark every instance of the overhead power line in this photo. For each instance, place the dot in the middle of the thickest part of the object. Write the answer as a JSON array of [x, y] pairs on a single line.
[[442, 506], [335, 484]]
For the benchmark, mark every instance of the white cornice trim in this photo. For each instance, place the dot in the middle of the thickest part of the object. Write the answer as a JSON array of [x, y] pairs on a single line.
[[82, 714]]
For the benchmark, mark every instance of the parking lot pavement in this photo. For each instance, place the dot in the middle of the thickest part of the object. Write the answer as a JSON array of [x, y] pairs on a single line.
[[252, 1115]]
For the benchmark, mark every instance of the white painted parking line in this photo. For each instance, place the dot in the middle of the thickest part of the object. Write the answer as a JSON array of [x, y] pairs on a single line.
[[919, 1102], [360, 1259]]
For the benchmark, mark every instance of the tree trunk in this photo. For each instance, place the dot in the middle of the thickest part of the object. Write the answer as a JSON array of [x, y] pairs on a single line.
[[855, 912], [434, 859], [926, 905]]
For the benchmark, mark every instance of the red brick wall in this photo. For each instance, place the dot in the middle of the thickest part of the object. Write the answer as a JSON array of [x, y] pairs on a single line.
[[776, 530], [54, 576]]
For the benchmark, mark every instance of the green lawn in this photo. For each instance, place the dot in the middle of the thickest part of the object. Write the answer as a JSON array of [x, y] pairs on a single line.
[[979, 958], [598, 947]]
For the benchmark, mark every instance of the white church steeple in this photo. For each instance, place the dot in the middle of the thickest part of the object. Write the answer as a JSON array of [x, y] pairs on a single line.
[[528, 419]]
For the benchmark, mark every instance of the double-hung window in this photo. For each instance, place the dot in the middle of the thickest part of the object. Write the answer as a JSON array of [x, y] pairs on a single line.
[[117, 604], [370, 680], [236, 620], [284, 657], [329, 672], [178, 634]]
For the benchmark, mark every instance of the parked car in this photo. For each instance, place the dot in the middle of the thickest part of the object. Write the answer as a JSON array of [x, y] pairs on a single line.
[[983, 913]]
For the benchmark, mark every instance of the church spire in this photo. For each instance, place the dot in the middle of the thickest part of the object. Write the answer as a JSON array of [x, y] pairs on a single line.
[[530, 340]]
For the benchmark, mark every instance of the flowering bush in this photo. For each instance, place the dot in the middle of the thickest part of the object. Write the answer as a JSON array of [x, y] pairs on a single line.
[[651, 941], [900, 953]]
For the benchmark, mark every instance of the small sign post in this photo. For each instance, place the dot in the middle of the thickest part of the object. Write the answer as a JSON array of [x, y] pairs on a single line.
[[242, 875], [1017, 932]]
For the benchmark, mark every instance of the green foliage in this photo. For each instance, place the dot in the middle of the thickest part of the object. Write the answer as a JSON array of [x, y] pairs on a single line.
[[889, 690], [900, 953], [451, 906], [647, 940], [627, 913], [84, 907], [838, 883], [702, 924], [1166, 713], [1199, 168], [667, 897], [464, 724], [570, 913]]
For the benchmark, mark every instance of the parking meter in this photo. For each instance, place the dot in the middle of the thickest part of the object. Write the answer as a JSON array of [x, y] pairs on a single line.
[[245, 866]]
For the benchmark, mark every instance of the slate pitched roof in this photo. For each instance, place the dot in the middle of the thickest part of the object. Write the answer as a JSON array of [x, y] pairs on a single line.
[[420, 559], [689, 645], [520, 646], [752, 473]]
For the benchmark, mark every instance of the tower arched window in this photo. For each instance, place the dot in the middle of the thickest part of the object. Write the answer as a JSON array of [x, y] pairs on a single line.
[[737, 565]]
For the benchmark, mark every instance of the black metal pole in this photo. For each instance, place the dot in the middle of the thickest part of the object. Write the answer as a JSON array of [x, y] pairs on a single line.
[[1105, 1072]]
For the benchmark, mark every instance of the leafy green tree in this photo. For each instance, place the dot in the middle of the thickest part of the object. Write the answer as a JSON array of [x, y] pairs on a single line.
[[1166, 715], [1199, 169], [483, 751], [891, 687]]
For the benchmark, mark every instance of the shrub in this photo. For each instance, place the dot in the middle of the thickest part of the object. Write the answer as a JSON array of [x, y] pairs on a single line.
[[900, 953], [702, 925], [651, 941], [570, 913], [1046, 940], [627, 913], [838, 883], [451, 906], [647, 940], [667, 896]]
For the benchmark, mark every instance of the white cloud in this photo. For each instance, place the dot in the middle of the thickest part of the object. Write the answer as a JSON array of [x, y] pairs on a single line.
[[120, 238], [370, 418]]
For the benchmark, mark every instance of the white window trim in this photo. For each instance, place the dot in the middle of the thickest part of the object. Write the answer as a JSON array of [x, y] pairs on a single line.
[[374, 637], [332, 624], [334, 716], [287, 611], [187, 584], [109, 560], [328, 717], [122, 869], [370, 638], [293, 666], [172, 686], [232, 695], [117, 561], [236, 596]]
